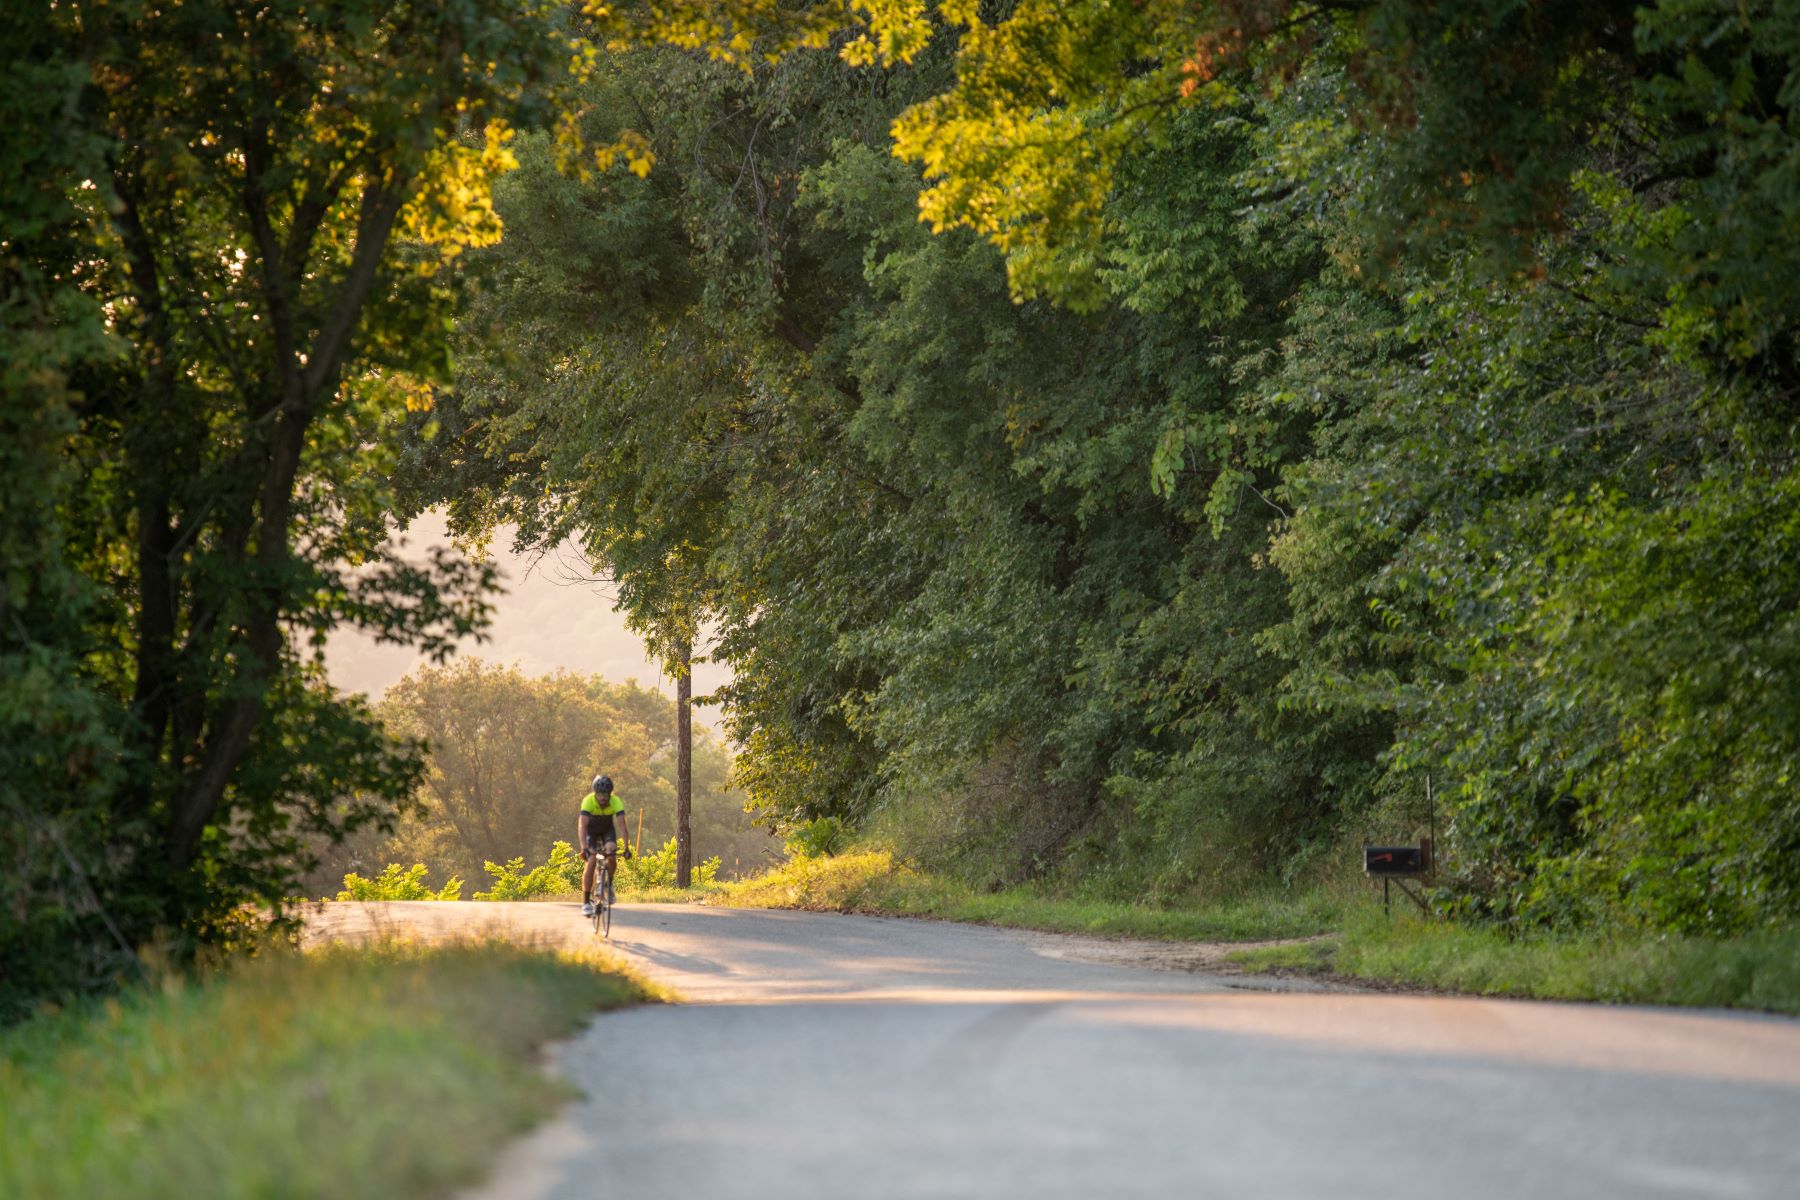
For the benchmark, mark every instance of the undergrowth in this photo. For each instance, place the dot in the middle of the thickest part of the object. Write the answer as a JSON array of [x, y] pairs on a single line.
[[699, 893], [1759, 971], [649, 877], [871, 881], [383, 1072], [399, 883]]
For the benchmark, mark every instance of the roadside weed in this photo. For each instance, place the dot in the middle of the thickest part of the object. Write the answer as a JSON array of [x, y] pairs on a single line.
[[382, 1071]]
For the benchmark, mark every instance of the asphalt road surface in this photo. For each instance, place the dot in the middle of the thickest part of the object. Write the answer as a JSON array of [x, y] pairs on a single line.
[[852, 1057]]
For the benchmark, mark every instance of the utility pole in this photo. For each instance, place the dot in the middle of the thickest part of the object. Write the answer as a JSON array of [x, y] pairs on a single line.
[[684, 767]]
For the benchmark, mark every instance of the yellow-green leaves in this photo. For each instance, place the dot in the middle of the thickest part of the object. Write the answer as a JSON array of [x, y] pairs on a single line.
[[741, 32], [1024, 149], [452, 209], [631, 148], [897, 30]]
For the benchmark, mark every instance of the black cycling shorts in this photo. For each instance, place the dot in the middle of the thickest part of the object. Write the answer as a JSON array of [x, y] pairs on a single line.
[[601, 829]]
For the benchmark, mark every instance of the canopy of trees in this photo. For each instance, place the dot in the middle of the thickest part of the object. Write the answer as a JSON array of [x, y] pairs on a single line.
[[226, 229], [1293, 402], [229, 241]]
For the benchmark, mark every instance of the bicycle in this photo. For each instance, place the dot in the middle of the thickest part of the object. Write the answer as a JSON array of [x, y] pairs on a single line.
[[603, 881], [602, 905]]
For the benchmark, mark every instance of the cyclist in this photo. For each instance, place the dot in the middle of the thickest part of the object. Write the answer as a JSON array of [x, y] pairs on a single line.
[[598, 837]]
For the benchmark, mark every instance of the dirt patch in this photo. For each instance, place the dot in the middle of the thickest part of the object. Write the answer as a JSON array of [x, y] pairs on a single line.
[[1208, 958]]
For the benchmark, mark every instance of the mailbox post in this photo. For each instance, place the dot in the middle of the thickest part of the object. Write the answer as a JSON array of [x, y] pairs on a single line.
[[1394, 865]]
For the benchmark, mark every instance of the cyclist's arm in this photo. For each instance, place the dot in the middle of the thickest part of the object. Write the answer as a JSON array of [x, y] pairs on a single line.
[[581, 833]]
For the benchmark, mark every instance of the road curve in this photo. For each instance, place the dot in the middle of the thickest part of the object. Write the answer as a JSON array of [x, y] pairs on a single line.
[[864, 1057]]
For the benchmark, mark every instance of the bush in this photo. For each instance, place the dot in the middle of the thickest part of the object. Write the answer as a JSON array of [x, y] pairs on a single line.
[[817, 838], [837, 883], [559, 875], [657, 870], [395, 883]]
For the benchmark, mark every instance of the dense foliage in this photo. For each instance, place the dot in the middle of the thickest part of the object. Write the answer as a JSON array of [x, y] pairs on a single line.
[[1294, 403], [644, 872], [398, 883], [229, 236], [227, 233], [555, 876]]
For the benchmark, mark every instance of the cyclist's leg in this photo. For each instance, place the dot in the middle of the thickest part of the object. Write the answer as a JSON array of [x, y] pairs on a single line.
[[588, 870], [610, 848]]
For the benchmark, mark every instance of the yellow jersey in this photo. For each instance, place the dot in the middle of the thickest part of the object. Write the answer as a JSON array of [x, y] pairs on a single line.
[[590, 804]]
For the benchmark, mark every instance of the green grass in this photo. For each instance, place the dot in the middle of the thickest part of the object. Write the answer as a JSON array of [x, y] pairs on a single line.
[[392, 1071], [871, 882], [1759, 971], [1296, 956]]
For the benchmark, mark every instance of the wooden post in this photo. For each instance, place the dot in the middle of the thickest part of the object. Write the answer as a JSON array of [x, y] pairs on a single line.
[[684, 768]]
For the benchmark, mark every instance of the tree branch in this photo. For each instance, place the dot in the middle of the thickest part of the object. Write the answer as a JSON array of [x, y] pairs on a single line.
[[261, 639], [151, 693], [380, 207]]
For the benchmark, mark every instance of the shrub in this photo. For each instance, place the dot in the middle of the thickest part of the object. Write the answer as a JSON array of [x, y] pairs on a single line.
[[817, 838], [657, 870], [558, 875], [827, 883], [396, 883]]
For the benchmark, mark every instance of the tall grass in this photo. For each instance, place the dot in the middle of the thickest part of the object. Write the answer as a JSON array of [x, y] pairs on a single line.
[[1759, 971], [871, 881], [390, 1071]]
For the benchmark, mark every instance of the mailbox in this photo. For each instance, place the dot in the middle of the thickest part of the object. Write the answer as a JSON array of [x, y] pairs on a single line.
[[1396, 861]]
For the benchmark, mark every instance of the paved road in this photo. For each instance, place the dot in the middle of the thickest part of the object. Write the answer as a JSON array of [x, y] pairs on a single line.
[[860, 1057]]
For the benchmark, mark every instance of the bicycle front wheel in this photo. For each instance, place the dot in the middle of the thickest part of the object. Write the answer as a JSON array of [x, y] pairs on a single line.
[[602, 909]]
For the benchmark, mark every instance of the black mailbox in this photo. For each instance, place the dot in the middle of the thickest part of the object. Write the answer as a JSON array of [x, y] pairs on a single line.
[[1394, 860]]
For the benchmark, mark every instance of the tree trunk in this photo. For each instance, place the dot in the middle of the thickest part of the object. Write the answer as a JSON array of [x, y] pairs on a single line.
[[684, 768], [305, 382]]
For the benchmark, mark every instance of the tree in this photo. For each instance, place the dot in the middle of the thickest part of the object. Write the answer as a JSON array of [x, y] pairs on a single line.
[[59, 736], [1347, 388], [233, 274], [1283, 391], [510, 756], [798, 437], [239, 258]]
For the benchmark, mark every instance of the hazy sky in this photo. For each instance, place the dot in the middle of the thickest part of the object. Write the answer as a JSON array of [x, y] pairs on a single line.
[[548, 617]]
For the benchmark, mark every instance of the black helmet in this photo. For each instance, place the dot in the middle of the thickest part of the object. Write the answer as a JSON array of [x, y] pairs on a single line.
[[602, 785]]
